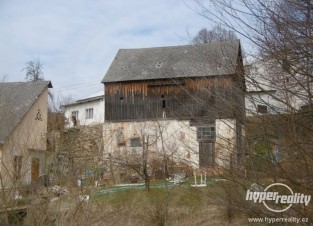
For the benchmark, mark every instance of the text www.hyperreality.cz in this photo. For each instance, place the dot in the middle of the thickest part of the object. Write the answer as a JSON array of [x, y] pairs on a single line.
[[272, 220]]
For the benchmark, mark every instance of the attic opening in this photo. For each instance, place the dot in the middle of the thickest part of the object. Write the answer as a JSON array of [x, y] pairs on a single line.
[[159, 65], [163, 106], [38, 116], [163, 102], [219, 65]]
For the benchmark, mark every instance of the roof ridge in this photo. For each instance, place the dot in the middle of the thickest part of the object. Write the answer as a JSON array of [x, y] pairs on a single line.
[[212, 59], [179, 46]]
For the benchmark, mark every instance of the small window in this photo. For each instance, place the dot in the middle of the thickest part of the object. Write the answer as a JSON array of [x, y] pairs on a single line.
[[206, 133], [17, 167], [135, 142], [262, 109], [89, 113]]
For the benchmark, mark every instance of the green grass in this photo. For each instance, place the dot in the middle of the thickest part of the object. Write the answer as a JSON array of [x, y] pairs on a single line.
[[177, 205], [177, 195], [162, 205]]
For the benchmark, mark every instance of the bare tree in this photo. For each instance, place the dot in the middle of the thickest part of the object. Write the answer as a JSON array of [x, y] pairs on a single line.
[[3, 78], [287, 39], [278, 34], [57, 101], [216, 34], [34, 70], [34, 73]]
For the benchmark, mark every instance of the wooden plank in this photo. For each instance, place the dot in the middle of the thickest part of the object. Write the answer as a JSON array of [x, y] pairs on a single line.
[[190, 98]]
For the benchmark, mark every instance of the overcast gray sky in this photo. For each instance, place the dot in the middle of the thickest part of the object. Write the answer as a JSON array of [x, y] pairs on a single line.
[[76, 40]]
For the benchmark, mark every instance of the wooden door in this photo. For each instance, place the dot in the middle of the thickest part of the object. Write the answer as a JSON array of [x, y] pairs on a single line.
[[35, 169], [206, 154]]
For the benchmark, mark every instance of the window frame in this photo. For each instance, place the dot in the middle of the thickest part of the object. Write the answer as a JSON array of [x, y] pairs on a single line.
[[88, 113], [135, 142], [206, 133], [262, 109]]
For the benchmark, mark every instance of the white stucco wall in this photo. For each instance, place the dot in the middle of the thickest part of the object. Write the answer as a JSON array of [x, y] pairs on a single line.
[[252, 100], [176, 138], [268, 77], [98, 112], [179, 139], [275, 104], [225, 145]]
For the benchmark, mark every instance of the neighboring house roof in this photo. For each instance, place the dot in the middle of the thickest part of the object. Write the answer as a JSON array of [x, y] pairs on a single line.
[[216, 58], [96, 96], [16, 98]]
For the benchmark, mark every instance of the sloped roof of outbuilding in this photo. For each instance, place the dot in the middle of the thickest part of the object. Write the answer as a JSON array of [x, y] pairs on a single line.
[[213, 59], [93, 97], [16, 98]]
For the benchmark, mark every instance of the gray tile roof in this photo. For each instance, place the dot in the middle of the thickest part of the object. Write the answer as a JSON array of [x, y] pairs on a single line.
[[16, 98], [216, 58]]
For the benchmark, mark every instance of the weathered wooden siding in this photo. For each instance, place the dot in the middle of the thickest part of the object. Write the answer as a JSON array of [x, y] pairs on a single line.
[[220, 97]]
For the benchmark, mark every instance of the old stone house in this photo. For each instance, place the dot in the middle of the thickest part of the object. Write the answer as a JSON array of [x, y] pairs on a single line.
[[185, 102], [23, 128]]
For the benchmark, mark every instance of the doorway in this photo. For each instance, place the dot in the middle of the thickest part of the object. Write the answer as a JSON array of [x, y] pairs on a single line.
[[35, 169], [206, 154]]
